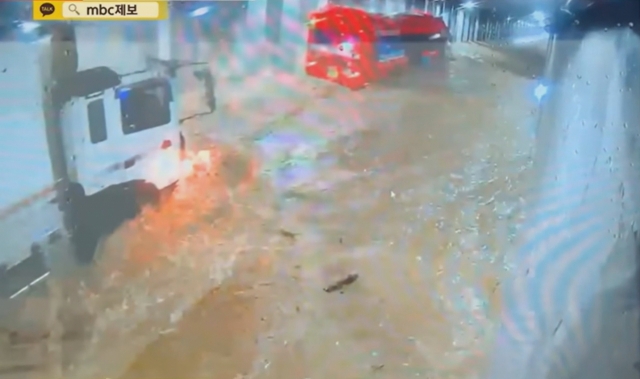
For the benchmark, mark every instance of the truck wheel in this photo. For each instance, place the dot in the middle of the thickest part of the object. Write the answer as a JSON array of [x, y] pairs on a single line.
[[85, 242], [145, 194], [442, 60], [414, 54], [84, 238]]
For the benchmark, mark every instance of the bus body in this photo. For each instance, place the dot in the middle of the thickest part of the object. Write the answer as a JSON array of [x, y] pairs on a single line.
[[352, 47], [424, 38]]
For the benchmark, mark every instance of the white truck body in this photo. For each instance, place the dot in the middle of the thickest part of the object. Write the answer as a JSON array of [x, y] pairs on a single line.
[[28, 211], [35, 159]]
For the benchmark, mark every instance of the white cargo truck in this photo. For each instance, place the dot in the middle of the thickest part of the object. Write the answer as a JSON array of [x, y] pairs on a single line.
[[86, 119]]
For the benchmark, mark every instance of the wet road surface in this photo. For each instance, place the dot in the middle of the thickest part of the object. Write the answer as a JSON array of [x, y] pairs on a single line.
[[415, 186]]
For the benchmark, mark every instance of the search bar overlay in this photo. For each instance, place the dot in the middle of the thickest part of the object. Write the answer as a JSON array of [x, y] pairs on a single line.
[[99, 10], [140, 10]]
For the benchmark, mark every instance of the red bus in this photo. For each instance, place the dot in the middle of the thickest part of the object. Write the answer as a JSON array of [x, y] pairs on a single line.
[[352, 47]]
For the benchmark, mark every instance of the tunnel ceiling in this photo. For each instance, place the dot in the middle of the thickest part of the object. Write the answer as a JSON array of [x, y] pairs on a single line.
[[517, 6], [514, 8]]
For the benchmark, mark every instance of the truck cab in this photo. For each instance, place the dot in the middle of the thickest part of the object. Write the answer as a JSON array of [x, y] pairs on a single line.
[[125, 133], [114, 127], [84, 135]]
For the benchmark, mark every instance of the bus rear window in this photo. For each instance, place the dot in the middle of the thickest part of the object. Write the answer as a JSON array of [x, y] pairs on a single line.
[[328, 37], [325, 37]]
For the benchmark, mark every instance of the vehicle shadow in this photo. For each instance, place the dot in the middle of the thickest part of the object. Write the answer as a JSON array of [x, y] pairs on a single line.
[[414, 79], [525, 60], [104, 212]]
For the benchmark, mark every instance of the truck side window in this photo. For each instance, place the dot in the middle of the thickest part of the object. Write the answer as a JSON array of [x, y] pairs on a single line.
[[97, 121], [145, 106]]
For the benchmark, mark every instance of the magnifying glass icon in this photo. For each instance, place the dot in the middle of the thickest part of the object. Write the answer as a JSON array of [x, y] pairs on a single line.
[[74, 8]]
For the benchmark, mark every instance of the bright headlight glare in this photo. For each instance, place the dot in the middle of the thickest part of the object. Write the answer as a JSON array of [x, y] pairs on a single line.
[[347, 47], [29, 26], [200, 12], [540, 91]]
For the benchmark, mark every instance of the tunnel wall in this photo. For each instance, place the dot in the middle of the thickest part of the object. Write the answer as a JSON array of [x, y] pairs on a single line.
[[572, 301]]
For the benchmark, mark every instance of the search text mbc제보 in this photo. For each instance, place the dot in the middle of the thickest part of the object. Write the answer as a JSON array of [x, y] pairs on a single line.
[[113, 10]]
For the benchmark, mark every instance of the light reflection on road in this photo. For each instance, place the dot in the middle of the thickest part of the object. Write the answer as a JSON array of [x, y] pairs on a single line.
[[421, 199]]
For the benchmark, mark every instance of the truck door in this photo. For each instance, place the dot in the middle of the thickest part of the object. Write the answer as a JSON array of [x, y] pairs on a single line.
[[151, 133], [96, 139]]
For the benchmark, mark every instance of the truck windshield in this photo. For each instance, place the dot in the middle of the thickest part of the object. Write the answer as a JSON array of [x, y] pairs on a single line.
[[145, 106], [326, 36]]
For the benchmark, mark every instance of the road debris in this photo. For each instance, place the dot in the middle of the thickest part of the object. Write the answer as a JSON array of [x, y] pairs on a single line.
[[287, 234], [340, 284]]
